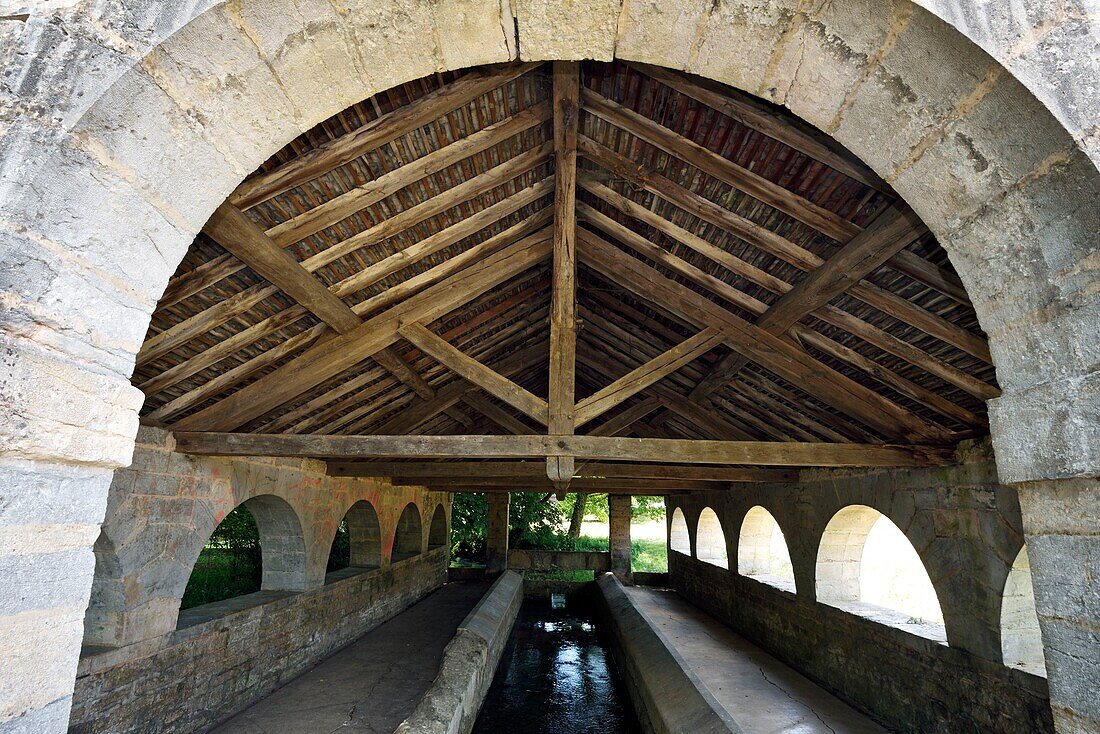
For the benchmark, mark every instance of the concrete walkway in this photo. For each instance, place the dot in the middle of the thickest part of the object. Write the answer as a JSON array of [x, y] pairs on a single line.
[[374, 683], [764, 695]]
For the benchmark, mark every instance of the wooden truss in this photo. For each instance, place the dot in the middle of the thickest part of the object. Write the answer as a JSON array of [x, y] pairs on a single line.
[[538, 263]]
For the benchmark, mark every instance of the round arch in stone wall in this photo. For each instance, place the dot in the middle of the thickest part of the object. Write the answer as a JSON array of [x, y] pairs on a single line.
[[408, 536], [107, 186], [679, 539], [866, 565], [364, 535], [762, 551], [438, 535], [1021, 638], [710, 539], [1000, 182]]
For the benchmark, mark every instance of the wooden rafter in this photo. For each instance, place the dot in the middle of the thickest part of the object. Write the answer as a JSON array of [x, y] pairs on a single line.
[[487, 379], [332, 357], [375, 134], [401, 281], [647, 374], [776, 355], [829, 314]]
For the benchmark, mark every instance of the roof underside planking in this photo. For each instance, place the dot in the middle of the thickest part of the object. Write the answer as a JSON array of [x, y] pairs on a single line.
[[600, 250]]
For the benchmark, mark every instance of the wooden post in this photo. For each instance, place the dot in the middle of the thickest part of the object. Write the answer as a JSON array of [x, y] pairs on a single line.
[[563, 308], [496, 536], [619, 535]]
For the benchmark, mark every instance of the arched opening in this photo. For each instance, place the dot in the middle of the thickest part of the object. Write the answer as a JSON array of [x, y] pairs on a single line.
[[678, 538], [866, 565], [1021, 637], [710, 540], [762, 552], [102, 621], [408, 538], [259, 546], [357, 544], [437, 532]]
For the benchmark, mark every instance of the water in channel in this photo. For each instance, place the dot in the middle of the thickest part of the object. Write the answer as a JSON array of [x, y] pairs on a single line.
[[555, 677]]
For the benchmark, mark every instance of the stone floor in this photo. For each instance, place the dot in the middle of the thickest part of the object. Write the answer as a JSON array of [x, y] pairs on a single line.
[[762, 694], [371, 685]]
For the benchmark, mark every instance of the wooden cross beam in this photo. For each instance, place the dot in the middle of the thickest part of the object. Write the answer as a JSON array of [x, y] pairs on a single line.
[[535, 470], [668, 451]]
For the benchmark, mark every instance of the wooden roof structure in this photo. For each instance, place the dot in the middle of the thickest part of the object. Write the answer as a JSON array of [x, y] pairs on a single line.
[[572, 263]]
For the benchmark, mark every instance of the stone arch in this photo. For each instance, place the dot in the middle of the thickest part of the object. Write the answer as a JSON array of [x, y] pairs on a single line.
[[105, 617], [679, 539], [710, 539], [408, 536], [101, 201], [762, 552], [1021, 638], [867, 566], [438, 533], [254, 82], [282, 545], [364, 535]]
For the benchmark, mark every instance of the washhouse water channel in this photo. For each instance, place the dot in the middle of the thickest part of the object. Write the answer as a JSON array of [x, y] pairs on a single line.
[[556, 675]]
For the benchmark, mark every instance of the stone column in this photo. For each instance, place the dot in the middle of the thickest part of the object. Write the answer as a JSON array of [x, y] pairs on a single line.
[[1060, 522], [496, 537], [619, 535]]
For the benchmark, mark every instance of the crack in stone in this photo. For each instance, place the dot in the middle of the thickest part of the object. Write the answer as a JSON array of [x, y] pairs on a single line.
[[786, 693]]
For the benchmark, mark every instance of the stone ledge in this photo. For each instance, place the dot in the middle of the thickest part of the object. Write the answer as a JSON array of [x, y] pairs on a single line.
[[667, 696], [451, 704]]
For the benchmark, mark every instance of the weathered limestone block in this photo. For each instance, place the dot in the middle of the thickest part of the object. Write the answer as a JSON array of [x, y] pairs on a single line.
[[661, 33], [1061, 519], [739, 40], [567, 29]]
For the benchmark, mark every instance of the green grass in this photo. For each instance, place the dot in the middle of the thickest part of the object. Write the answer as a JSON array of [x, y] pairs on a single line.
[[649, 555], [645, 555], [220, 574]]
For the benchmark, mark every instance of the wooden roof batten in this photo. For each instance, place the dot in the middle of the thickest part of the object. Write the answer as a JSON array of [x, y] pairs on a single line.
[[642, 280]]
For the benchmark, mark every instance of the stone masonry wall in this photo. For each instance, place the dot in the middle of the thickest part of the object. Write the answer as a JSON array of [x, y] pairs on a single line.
[[966, 529], [203, 674], [146, 667]]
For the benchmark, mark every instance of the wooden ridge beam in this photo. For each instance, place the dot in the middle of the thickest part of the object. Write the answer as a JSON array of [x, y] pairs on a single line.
[[326, 360], [374, 134], [602, 448], [773, 353], [719, 167]]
